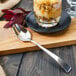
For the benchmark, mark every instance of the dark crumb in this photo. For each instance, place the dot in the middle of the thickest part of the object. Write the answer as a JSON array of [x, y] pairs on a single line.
[[3, 1]]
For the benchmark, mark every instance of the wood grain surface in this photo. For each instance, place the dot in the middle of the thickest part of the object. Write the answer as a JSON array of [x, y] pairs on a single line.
[[9, 43], [38, 63]]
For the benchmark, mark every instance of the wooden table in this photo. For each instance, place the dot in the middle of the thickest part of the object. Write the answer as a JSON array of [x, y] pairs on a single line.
[[38, 63]]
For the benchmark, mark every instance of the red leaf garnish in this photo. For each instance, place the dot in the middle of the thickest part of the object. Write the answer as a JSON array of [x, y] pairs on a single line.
[[9, 24], [18, 18], [8, 11], [8, 17], [14, 16]]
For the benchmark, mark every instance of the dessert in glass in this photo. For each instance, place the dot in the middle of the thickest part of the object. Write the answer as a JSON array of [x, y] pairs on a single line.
[[47, 12]]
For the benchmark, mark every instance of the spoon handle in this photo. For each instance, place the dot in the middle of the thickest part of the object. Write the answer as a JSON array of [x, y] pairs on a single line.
[[63, 65]]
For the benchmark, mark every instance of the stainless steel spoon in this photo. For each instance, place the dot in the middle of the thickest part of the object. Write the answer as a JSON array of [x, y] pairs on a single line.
[[25, 35]]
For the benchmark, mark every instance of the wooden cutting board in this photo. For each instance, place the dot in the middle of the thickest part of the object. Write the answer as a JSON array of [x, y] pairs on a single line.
[[10, 44]]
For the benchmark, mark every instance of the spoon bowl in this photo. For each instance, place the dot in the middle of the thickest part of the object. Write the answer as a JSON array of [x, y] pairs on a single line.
[[25, 36]]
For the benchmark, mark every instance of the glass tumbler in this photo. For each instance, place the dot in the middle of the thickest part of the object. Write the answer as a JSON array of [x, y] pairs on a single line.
[[72, 9], [47, 12]]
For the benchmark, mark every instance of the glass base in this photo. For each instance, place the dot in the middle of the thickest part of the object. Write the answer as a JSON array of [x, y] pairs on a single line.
[[47, 25]]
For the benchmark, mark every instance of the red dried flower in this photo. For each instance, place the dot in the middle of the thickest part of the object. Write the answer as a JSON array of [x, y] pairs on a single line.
[[14, 16]]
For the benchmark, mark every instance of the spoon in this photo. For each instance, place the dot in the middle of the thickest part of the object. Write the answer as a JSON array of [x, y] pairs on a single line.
[[24, 35]]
